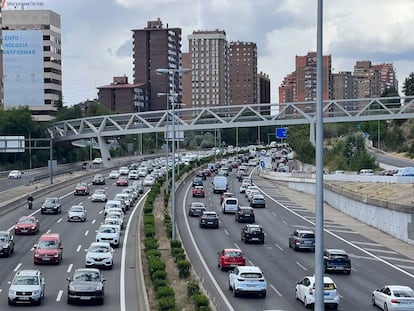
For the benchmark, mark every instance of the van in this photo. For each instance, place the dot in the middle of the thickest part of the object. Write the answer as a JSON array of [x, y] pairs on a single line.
[[48, 249], [230, 205], [220, 184], [112, 204], [366, 172]]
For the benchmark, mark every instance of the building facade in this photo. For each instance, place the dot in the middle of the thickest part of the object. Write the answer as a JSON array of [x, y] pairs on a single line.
[[32, 61], [243, 73], [156, 47], [209, 52]]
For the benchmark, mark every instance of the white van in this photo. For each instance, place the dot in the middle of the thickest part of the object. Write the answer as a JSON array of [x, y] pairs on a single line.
[[220, 184], [230, 205], [112, 204], [366, 172]]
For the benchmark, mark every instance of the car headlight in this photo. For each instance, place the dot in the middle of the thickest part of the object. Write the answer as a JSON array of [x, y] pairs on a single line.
[[12, 292], [6, 246], [99, 287], [33, 227], [71, 287], [36, 292]]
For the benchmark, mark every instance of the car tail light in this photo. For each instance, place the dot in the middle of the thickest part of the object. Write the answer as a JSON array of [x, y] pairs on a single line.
[[297, 241], [395, 301], [240, 280]]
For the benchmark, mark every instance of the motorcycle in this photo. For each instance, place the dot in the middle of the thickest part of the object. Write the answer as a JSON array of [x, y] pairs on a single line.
[[30, 204]]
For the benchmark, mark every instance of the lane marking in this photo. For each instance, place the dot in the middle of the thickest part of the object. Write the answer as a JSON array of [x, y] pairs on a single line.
[[367, 243], [279, 247], [274, 288], [69, 269], [93, 221], [17, 267], [78, 248], [59, 220], [86, 232], [226, 232], [381, 251], [59, 295], [300, 265]]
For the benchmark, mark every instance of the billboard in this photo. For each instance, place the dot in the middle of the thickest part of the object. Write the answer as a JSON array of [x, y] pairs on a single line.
[[11, 144], [23, 68]]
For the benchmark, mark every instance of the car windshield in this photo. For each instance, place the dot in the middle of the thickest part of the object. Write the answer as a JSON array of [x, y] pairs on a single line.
[[112, 221], [251, 275], [404, 293], [255, 230], [329, 286], [81, 185], [51, 200], [197, 205], [106, 230], [44, 244], [86, 276], [76, 209], [231, 201], [232, 254], [26, 220], [99, 249], [307, 235], [4, 237], [25, 280], [338, 256]]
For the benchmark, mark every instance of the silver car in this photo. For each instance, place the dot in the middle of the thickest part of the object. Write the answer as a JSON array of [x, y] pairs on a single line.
[[99, 254], [77, 213], [109, 234], [27, 287], [99, 196]]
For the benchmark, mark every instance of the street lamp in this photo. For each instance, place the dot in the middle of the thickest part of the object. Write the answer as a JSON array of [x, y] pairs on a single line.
[[166, 135], [172, 72]]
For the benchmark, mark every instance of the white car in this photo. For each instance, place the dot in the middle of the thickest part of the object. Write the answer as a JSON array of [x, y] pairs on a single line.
[[27, 286], [149, 180], [77, 213], [394, 298], [248, 189], [244, 186], [109, 234], [116, 214], [126, 198], [230, 205], [252, 193], [113, 221], [133, 174], [123, 170], [247, 280], [113, 175], [97, 161], [305, 290], [99, 196], [99, 254], [15, 174]]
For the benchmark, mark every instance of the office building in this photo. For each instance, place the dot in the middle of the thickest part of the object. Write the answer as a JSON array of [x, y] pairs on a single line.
[[156, 47], [32, 62]]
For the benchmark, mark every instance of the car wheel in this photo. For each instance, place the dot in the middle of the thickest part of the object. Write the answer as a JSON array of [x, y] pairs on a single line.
[[263, 294], [230, 288], [373, 301], [385, 307], [305, 302], [296, 294], [235, 294], [11, 303], [325, 269]]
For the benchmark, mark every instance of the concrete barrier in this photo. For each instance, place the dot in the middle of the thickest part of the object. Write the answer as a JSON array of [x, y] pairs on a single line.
[[394, 219]]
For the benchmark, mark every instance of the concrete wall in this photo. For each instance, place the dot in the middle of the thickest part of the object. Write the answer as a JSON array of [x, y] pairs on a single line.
[[393, 219]]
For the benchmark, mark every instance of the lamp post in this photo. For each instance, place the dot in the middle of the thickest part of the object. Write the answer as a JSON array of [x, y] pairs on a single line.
[[172, 72], [167, 137]]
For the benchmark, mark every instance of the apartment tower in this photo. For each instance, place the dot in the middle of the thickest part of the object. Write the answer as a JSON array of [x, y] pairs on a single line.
[[156, 47]]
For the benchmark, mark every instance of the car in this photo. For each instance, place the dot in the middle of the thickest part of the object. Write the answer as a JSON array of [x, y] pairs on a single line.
[[113, 174], [86, 284], [6, 243], [15, 174], [305, 292], [133, 174], [228, 258], [112, 220], [226, 195], [230, 205], [393, 298], [196, 209], [81, 188], [126, 200], [51, 205], [99, 195], [113, 204], [132, 192], [198, 191], [26, 225], [123, 170], [119, 215], [148, 180], [98, 179], [197, 182], [245, 214], [207, 172], [336, 260], [201, 175], [240, 174], [85, 165], [48, 249], [252, 193], [258, 200], [139, 185], [249, 189], [27, 287], [405, 171], [244, 186], [97, 161], [77, 213], [99, 254], [252, 233], [122, 181], [302, 239], [247, 280], [209, 220], [108, 233]]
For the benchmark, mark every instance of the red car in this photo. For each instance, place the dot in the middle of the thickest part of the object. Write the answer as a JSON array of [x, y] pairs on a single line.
[[199, 192], [207, 172], [26, 225], [48, 249], [82, 189], [122, 181], [229, 258]]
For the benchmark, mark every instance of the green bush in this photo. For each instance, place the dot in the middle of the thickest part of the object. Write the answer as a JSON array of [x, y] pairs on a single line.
[[158, 275], [153, 253], [150, 243], [159, 282], [184, 268], [200, 300], [155, 264], [176, 250], [164, 291], [192, 288], [149, 231], [175, 243], [167, 304], [149, 219]]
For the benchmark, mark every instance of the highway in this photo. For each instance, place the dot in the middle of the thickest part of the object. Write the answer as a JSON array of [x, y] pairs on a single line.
[[121, 281], [373, 265]]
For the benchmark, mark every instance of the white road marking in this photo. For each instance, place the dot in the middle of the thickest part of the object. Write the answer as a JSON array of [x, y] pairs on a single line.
[[381, 250], [250, 263], [69, 269], [59, 220], [93, 221], [406, 267], [17, 267], [343, 231], [285, 222], [279, 247], [48, 231], [86, 232], [274, 214], [274, 288], [226, 232], [59, 295], [78, 248], [237, 246], [300, 265], [367, 243], [397, 259]]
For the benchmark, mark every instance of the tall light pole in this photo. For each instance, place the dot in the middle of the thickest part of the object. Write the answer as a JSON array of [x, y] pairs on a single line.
[[172, 73], [167, 136]]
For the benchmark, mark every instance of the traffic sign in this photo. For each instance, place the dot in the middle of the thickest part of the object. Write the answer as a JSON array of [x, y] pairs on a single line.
[[281, 132]]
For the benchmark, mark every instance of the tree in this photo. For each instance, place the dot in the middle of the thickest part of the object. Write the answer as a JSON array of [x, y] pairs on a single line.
[[408, 86]]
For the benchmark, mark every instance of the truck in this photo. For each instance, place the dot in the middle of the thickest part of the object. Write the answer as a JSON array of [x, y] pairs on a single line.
[[220, 184]]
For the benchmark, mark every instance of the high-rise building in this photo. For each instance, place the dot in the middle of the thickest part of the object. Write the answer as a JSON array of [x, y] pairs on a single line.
[[343, 85], [32, 61], [210, 68], [388, 77], [243, 73], [156, 47]]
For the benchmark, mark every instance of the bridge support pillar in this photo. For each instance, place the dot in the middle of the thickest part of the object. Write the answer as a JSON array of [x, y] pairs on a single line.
[[312, 138], [106, 156]]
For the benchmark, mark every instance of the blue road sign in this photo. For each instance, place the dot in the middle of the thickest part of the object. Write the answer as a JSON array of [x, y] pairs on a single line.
[[281, 132]]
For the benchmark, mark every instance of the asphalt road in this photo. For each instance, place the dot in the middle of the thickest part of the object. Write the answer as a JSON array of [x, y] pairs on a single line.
[[121, 287], [373, 264]]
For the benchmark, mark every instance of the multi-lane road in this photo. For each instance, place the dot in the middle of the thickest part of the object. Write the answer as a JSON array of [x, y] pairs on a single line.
[[373, 264]]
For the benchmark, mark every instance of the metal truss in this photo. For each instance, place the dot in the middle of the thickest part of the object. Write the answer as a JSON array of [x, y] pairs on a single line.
[[187, 119]]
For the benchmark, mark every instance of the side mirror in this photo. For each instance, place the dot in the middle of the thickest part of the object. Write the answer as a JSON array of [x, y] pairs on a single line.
[[69, 279], [34, 246]]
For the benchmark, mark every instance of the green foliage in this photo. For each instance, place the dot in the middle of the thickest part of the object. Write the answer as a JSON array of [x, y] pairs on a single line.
[[150, 243], [200, 300], [408, 86], [184, 268], [164, 291], [159, 275], [149, 231], [167, 304], [153, 253], [175, 243]]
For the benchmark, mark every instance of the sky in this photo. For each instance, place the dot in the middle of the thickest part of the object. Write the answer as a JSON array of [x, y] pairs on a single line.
[[97, 34]]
